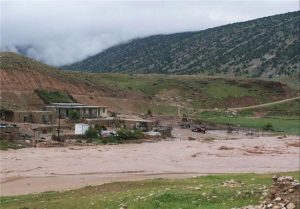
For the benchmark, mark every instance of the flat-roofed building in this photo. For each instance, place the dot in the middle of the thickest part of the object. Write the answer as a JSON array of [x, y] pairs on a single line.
[[84, 111], [29, 116], [9, 131]]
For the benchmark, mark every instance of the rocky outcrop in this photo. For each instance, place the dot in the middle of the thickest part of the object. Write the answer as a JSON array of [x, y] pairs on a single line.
[[283, 194]]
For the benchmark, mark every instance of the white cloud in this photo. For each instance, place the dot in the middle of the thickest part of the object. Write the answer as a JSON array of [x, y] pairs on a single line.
[[61, 32]]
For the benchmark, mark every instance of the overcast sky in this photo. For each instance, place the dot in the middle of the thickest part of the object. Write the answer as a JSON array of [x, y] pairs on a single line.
[[62, 32]]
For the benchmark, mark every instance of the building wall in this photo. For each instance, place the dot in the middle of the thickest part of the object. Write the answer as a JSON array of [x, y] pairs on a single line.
[[40, 117], [7, 115], [119, 123], [84, 112], [103, 112], [9, 133]]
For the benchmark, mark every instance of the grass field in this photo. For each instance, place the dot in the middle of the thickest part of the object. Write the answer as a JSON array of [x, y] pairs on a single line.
[[287, 109], [284, 125], [54, 96], [193, 91], [283, 117], [205, 192]]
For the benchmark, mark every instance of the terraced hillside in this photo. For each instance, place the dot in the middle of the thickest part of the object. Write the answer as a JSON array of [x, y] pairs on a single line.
[[265, 47]]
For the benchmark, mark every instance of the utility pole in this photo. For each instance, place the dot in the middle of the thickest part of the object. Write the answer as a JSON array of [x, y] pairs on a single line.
[[58, 129]]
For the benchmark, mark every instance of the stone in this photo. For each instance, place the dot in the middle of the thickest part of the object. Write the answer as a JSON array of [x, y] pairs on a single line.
[[291, 190], [277, 199], [288, 178], [281, 204], [276, 207], [290, 206], [123, 206], [272, 191]]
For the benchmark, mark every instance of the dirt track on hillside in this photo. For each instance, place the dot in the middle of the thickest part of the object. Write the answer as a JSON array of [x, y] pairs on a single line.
[[265, 104], [43, 169]]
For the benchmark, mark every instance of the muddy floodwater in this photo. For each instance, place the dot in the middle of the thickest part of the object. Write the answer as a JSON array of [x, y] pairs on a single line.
[[32, 170]]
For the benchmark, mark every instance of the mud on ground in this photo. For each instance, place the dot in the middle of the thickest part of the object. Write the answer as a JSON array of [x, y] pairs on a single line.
[[42, 169]]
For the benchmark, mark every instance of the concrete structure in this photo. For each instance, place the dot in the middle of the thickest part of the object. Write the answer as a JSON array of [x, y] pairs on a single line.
[[165, 131], [9, 132], [36, 116], [123, 122], [84, 111], [81, 128]]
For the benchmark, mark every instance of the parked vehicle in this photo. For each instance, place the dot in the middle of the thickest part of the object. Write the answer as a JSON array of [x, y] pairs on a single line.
[[185, 125], [108, 133], [199, 129]]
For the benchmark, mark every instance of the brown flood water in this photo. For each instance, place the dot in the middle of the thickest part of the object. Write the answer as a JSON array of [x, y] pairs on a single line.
[[33, 170]]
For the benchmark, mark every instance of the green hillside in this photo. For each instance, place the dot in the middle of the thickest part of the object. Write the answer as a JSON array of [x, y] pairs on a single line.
[[266, 47], [192, 91], [160, 93]]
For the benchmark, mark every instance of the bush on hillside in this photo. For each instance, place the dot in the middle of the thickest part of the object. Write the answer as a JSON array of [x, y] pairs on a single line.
[[149, 112], [268, 127]]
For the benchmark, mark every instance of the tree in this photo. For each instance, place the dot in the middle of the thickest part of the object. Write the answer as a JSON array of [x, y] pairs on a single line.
[[74, 115], [91, 134]]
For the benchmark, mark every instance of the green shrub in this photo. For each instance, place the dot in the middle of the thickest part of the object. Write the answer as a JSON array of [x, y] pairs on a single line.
[[149, 112], [5, 145], [127, 134], [268, 127], [111, 139], [74, 115], [91, 134]]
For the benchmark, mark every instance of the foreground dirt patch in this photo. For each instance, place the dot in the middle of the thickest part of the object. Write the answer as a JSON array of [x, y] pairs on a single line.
[[42, 169]]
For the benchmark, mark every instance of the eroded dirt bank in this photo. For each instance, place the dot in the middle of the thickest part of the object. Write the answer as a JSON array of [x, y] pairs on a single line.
[[42, 169]]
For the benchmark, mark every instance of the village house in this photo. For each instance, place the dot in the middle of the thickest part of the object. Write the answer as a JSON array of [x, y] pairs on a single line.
[[30, 116], [84, 111], [8, 131]]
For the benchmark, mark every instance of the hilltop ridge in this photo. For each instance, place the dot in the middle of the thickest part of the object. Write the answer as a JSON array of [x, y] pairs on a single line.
[[264, 47]]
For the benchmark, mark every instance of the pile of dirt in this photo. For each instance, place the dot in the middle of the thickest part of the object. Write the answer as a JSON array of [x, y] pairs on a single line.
[[283, 194]]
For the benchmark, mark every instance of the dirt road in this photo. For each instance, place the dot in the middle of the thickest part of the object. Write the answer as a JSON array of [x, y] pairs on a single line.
[[42, 169], [264, 105], [239, 108]]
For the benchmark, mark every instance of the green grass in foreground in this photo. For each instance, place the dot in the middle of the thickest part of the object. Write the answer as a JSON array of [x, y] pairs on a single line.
[[204, 192]]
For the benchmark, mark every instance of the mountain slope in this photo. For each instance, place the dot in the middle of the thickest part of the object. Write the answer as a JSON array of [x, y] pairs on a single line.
[[19, 73], [22, 80], [21, 77], [263, 47]]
